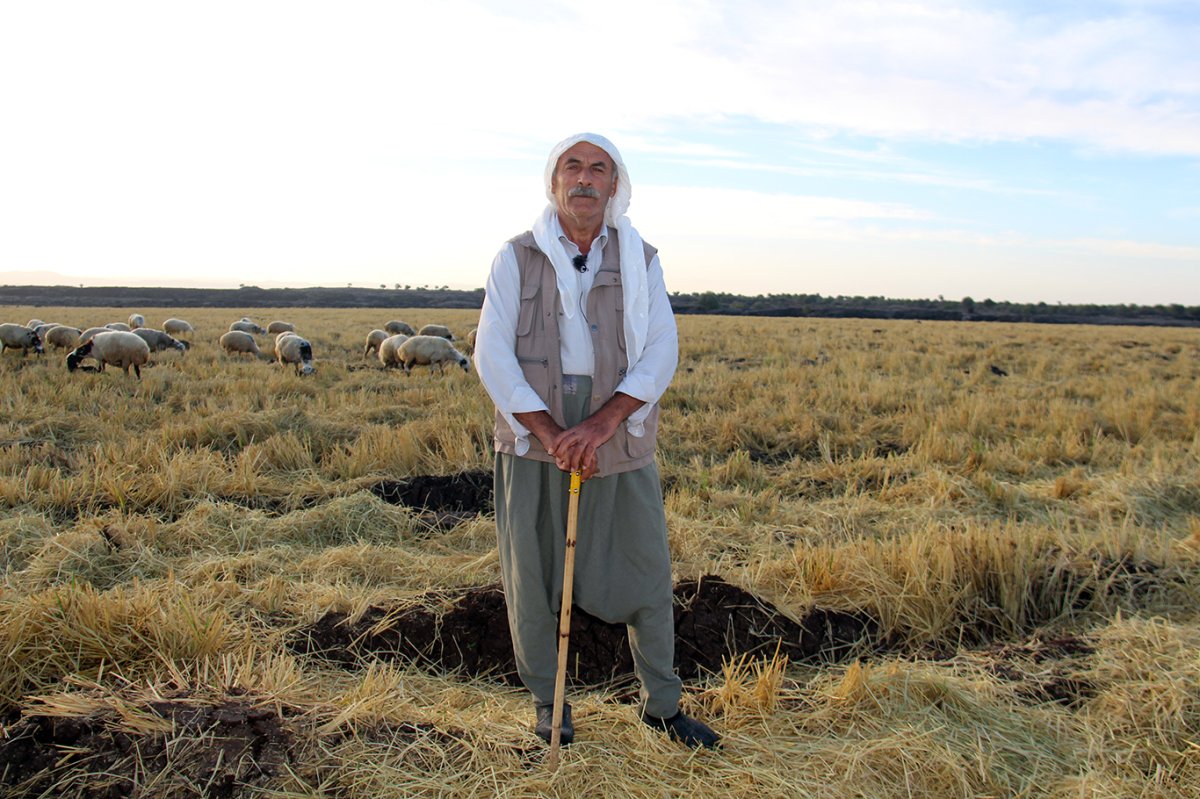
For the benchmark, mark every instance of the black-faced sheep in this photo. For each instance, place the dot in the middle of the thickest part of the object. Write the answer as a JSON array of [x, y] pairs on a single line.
[[396, 327], [177, 327], [19, 337], [389, 350], [136, 320], [115, 347], [86, 335], [279, 338], [374, 339], [280, 327], [430, 350], [237, 342], [247, 327], [159, 341], [62, 337], [441, 331], [296, 351]]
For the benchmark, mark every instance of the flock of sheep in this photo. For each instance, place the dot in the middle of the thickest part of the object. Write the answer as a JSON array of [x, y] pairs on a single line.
[[129, 344]]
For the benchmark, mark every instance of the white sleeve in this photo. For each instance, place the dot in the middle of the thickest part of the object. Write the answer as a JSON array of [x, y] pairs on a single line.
[[650, 376], [495, 346]]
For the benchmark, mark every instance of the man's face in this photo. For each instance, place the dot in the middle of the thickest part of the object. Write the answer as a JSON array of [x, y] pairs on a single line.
[[584, 181]]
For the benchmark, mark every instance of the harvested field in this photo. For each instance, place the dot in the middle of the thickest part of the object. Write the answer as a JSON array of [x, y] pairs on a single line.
[[911, 559]]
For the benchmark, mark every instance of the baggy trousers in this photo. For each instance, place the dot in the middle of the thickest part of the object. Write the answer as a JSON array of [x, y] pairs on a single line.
[[622, 564]]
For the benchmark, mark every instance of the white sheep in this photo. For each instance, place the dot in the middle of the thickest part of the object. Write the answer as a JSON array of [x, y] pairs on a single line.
[[34, 323], [471, 339], [239, 342], [136, 320], [389, 350], [296, 351], [159, 341], [43, 328], [247, 327], [374, 339], [115, 347], [280, 327], [120, 326], [441, 331], [279, 338], [86, 335], [19, 337], [430, 350], [396, 327], [177, 328], [63, 337]]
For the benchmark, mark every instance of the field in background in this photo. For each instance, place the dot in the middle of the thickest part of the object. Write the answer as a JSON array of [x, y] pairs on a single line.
[[1011, 513]]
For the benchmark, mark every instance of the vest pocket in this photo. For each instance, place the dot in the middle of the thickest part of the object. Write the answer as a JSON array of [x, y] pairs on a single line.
[[530, 305]]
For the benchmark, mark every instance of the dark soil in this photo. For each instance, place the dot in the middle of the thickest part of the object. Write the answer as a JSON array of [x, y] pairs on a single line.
[[468, 632], [466, 492], [205, 749], [1044, 669]]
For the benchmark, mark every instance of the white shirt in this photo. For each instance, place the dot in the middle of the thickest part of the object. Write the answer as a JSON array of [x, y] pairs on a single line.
[[495, 342]]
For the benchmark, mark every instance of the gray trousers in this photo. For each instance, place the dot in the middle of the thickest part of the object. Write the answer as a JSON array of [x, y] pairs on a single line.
[[622, 565]]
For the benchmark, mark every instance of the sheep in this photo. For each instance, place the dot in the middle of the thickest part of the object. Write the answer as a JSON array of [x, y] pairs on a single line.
[[120, 326], [430, 350], [62, 337], [374, 339], [86, 335], [440, 331], [43, 328], [19, 337], [296, 351], [395, 327], [136, 320], [247, 327], [239, 341], [115, 347], [281, 327], [159, 341], [177, 327], [389, 350], [34, 323], [279, 338], [471, 339]]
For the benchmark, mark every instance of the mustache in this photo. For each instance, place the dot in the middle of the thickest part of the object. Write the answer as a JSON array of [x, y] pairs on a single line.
[[583, 191]]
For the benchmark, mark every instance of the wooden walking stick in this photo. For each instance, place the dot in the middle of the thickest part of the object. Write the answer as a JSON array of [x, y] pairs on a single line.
[[564, 620]]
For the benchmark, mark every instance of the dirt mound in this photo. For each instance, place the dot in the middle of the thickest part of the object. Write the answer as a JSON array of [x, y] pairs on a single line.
[[464, 492], [208, 749], [468, 632]]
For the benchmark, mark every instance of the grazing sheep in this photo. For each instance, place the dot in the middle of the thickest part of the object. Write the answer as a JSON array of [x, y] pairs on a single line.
[[62, 337], [296, 351], [120, 326], [430, 350], [177, 328], [115, 347], [471, 339], [279, 338], [19, 337], [389, 350], [136, 320], [441, 331], [159, 341], [281, 327], [374, 339], [43, 327], [34, 323], [238, 342], [247, 327], [86, 335], [396, 327]]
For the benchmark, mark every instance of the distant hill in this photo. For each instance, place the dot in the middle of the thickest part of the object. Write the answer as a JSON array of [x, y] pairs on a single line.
[[797, 305]]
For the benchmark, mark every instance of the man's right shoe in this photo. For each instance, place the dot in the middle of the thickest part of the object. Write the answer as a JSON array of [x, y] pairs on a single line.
[[686, 730], [545, 724]]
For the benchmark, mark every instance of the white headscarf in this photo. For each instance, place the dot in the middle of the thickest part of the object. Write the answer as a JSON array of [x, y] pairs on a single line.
[[633, 257]]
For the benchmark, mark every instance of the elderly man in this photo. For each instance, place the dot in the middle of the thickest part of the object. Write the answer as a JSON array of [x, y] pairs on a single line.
[[576, 344]]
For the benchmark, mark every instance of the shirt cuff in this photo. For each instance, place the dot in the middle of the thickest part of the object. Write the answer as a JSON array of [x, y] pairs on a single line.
[[520, 431]]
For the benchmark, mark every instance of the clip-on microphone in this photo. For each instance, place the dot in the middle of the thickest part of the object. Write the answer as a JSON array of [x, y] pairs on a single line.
[[580, 262]]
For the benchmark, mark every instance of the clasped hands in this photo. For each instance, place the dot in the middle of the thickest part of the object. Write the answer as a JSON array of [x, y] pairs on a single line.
[[574, 449]]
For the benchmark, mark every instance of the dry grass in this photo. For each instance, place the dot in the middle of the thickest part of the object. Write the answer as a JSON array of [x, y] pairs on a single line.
[[162, 540]]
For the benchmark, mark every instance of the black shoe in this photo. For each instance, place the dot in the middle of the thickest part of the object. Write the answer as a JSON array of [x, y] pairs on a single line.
[[685, 729], [545, 724]]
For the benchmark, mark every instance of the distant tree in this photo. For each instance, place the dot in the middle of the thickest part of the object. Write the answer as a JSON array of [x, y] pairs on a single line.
[[968, 307], [383, 285]]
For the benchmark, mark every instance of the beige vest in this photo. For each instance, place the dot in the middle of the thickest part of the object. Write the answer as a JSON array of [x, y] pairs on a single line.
[[540, 358]]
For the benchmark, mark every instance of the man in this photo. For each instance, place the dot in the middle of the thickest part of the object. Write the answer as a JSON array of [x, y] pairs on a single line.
[[576, 343]]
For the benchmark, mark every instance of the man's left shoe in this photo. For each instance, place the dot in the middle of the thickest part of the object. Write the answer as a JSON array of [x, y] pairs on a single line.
[[686, 730], [545, 724]]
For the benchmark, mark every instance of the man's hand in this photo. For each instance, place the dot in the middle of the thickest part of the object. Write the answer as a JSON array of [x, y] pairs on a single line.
[[541, 425], [575, 449]]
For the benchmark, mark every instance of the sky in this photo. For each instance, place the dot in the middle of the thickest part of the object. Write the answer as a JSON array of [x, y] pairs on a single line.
[[1019, 151]]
